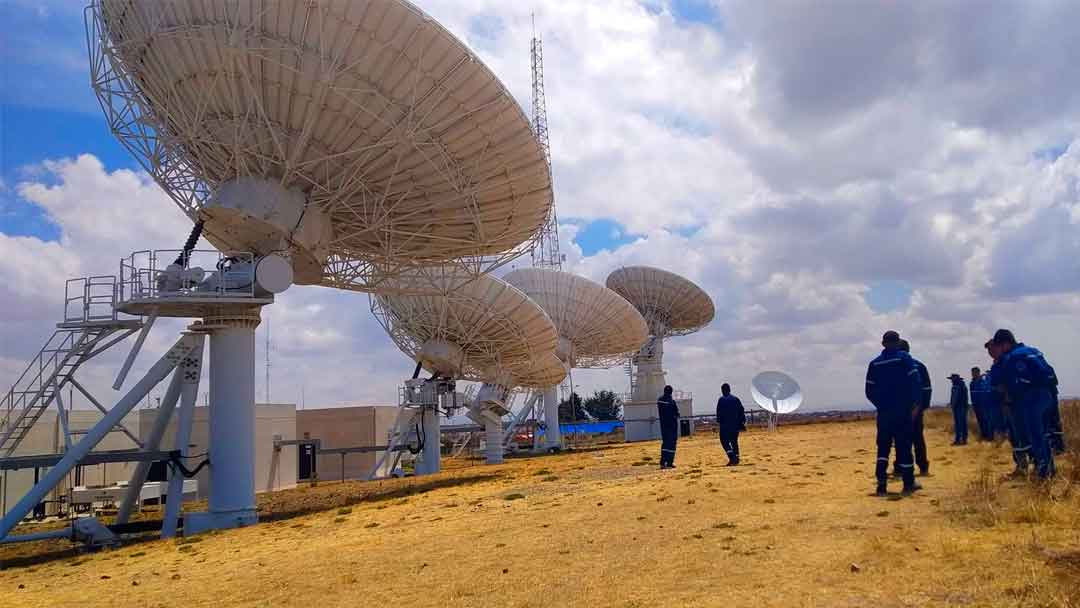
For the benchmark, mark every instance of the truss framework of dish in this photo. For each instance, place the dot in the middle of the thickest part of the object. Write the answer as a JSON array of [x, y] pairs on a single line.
[[400, 137], [776, 392], [597, 327], [502, 334], [670, 304]]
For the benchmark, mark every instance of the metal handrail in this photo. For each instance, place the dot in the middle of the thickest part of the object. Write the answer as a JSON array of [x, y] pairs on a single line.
[[150, 274]]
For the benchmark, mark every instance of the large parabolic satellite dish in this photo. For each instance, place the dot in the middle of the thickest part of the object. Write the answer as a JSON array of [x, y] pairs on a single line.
[[776, 392], [671, 306], [597, 327], [360, 137], [486, 330]]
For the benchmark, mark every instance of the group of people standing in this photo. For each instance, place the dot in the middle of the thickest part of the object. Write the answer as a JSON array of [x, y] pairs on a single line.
[[1017, 398], [730, 418]]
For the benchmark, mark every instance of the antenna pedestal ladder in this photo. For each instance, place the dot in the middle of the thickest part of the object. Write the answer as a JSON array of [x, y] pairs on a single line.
[[417, 422]]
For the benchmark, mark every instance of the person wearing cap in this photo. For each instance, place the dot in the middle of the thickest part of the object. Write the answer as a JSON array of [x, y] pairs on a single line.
[[918, 437], [1031, 384], [958, 401], [1014, 424], [731, 420], [668, 413], [979, 390], [892, 385]]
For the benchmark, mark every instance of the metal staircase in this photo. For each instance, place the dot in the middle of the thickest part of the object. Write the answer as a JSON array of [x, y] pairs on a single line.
[[90, 327]]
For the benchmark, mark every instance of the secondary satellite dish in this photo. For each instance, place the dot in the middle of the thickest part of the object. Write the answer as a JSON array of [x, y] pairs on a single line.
[[671, 306], [480, 331], [361, 137], [486, 331], [776, 393], [597, 327]]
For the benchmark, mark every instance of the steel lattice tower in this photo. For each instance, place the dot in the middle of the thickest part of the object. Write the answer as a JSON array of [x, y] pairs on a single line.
[[546, 252]]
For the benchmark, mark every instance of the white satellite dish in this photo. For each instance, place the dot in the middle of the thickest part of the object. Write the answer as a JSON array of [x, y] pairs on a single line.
[[671, 306], [597, 327], [359, 140], [776, 393], [361, 137], [486, 331]]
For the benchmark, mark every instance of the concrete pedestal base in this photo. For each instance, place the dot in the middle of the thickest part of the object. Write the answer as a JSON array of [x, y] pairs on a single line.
[[196, 523]]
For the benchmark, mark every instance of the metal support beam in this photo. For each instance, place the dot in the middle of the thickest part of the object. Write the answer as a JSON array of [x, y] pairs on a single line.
[[189, 392], [134, 351], [101, 408], [153, 442], [43, 461], [100, 349], [61, 414], [186, 350]]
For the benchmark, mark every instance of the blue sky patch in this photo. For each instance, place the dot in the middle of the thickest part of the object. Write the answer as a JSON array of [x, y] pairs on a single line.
[[888, 296], [598, 235], [1050, 153], [695, 11]]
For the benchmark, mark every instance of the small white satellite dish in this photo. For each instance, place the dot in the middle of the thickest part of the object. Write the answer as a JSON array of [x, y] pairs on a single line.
[[776, 393]]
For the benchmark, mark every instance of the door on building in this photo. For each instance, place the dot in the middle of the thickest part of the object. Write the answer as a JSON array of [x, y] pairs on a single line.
[[305, 468]]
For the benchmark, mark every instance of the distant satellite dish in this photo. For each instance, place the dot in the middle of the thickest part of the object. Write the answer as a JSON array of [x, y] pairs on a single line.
[[776, 393]]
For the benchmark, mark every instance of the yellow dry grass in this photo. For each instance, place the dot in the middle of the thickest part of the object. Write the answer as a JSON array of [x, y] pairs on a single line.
[[793, 527]]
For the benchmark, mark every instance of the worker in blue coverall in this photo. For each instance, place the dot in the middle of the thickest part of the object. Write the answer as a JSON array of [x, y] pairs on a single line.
[[892, 385], [958, 401], [918, 437], [1015, 427], [980, 390], [1030, 383], [668, 413], [731, 420]]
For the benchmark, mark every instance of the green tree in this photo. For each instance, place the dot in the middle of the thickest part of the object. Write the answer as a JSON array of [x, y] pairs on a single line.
[[604, 405], [570, 409]]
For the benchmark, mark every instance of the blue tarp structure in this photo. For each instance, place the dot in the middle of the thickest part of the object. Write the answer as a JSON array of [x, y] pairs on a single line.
[[606, 426]]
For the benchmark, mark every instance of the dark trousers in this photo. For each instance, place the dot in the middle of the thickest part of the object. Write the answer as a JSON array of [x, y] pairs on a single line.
[[1034, 410], [730, 441], [998, 422], [1018, 438], [918, 441], [1055, 435], [894, 429], [669, 436], [982, 418], [960, 423]]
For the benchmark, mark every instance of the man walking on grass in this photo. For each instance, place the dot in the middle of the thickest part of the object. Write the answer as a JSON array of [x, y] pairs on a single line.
[[731, 420], [668, 413]]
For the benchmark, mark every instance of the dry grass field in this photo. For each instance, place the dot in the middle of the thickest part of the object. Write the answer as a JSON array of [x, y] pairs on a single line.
[[793, 526]]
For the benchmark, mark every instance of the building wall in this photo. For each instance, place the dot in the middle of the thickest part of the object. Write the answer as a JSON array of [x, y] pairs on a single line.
[[345, 427], [273, 470], [46, 437]]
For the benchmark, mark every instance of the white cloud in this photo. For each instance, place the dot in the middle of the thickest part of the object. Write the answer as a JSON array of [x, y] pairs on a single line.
[[817, 149]]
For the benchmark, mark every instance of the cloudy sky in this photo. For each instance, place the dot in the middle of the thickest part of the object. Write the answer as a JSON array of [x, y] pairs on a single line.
[[826, 171]]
